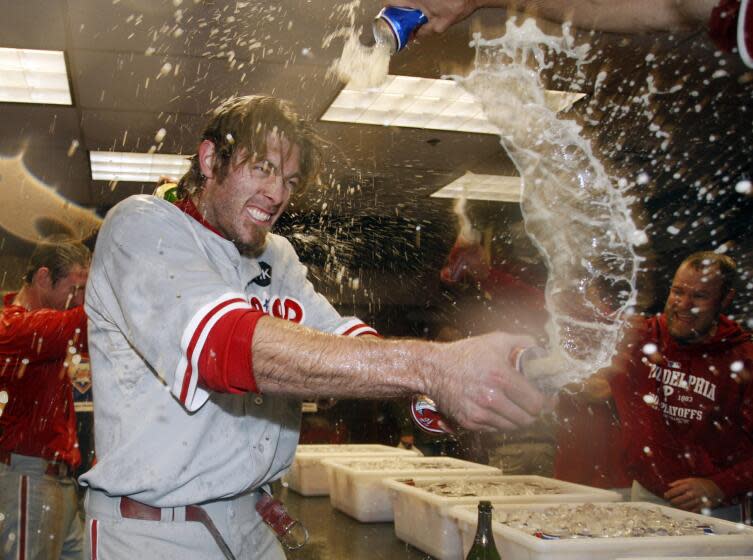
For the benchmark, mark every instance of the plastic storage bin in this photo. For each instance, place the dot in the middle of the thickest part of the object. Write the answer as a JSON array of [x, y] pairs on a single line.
[[308, 476], [356, 484], [513, 544], [422, 518]]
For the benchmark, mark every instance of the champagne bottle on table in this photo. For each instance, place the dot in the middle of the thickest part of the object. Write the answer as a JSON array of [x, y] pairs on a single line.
[[483, 544]]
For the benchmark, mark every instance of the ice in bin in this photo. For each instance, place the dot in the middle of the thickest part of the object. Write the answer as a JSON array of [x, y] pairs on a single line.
[[572, 531], [308, 476], [421, 505], [356, 484]]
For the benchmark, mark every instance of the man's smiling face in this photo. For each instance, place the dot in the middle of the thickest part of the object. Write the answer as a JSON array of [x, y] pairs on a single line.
[[253, 195], [695, 302]]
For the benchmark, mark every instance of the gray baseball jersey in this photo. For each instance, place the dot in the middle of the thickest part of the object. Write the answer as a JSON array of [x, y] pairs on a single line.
[[159, 282]]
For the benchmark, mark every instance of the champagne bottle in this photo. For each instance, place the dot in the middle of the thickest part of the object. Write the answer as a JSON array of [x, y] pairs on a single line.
[[483, 544]]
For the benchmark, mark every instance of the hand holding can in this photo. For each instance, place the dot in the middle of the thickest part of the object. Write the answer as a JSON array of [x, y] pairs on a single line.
[[394, 26], [516, 399]]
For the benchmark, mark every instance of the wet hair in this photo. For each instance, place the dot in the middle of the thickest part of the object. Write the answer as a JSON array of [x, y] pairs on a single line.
[[59, 254], [243, 123], [726, 265]]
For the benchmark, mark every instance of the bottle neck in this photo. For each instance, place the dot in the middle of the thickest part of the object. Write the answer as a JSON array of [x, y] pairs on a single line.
[[484, 529]]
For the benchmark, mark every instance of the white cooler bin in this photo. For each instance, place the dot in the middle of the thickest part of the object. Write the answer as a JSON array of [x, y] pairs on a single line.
[[513, 544], [307, 474], [356, 484], [422, 518]]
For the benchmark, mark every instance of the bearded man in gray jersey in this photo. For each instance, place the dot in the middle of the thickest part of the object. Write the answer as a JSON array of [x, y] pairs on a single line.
[[205, 335]]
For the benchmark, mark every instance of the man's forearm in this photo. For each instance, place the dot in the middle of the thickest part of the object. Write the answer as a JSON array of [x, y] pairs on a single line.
[[626, 16], [471, 379], [619, 16], [293, 360]]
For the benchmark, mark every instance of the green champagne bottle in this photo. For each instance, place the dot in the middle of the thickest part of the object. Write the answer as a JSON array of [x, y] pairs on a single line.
[[483, 544]]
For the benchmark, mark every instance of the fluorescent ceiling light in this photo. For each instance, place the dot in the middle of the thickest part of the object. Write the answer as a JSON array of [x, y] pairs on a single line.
[[497, 188], [141, 168], [33, 76], [422, 103]]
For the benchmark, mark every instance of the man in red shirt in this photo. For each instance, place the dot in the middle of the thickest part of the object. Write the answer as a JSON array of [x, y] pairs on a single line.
[[42, 328], [684, 395], [682, 389]]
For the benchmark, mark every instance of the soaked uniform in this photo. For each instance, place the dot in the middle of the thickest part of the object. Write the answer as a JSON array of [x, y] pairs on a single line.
[[38, 444], [178, 420]]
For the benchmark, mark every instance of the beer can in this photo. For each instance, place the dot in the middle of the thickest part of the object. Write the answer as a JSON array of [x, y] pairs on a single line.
[[424, 412], [519, 356], [423, 409], [394, 26]]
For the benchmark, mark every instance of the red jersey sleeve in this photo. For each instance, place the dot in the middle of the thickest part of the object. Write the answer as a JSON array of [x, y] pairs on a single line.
[[735, 480], [225, 362], [42, 334], [738, 478]]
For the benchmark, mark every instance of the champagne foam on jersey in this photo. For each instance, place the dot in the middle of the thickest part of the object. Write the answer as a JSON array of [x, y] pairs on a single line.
[[576, 215]]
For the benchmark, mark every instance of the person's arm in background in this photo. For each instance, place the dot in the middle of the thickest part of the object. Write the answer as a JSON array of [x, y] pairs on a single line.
[[43, 334], [592, 390], [622, 16], [597, 388]]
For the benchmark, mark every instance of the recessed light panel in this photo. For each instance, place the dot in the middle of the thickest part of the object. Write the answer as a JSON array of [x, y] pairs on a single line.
[[33, 76], [141, 168], [414, 102], [497, 188]]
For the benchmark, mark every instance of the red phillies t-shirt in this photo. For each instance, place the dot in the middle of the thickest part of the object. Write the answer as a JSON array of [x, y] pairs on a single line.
[[39, 419], [688, 413]]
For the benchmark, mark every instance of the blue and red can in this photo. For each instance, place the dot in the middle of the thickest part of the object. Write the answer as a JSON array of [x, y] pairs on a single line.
[[395, 26]]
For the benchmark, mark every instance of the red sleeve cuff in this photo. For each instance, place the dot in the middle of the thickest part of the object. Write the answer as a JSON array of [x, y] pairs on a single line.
[[225, 363]]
